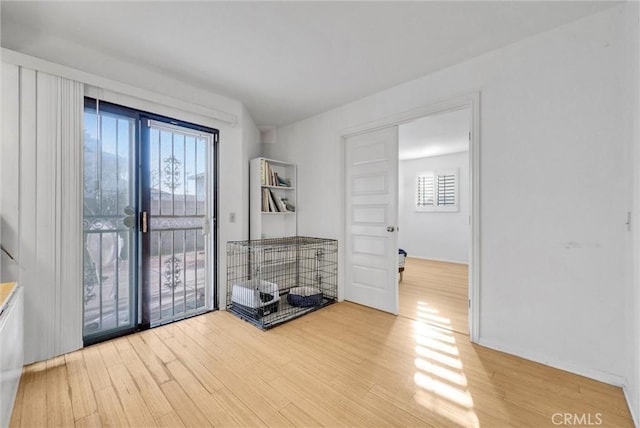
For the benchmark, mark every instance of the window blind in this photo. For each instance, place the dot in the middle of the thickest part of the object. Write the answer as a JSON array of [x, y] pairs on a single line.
[[437, 191]]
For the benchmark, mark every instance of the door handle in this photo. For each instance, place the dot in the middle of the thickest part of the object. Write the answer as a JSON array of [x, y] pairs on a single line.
[[143, 221], [390, 228]]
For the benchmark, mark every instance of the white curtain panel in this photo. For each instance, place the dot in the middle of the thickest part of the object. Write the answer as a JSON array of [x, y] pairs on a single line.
[[50, 129], [69, 176]]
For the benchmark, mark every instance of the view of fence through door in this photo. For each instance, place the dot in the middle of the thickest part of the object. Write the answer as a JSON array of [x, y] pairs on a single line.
[[177, 208], [109, 222]]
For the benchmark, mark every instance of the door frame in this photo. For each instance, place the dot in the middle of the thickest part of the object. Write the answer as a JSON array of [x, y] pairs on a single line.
[[471, 101]]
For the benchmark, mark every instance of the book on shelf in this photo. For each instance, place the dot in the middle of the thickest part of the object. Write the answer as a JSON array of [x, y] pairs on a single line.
[[288, 206], [273, 208], [281, 206], [270, 177], [265, 200], [284, 182]]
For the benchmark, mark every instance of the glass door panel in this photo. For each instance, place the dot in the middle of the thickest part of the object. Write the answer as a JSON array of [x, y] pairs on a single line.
[[175, 267], [109, 222]]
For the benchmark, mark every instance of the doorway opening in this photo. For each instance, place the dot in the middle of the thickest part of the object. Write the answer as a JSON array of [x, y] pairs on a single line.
[[371, 159], [433, 218], [148, 209]]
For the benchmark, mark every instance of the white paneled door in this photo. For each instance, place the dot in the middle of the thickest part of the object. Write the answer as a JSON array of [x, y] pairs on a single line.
[[372, 219]]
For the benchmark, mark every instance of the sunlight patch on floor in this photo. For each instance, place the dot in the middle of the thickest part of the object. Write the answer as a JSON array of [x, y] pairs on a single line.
[[441, 385], [441, 372]]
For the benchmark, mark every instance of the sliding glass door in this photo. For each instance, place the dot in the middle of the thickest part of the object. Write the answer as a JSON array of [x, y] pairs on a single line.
[[149, 207]]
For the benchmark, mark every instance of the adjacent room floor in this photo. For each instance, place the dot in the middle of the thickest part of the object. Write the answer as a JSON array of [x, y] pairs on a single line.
[[435, 292], [344, 365]]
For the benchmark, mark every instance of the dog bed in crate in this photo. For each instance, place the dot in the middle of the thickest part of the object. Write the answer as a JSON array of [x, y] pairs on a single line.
[[255, 297], [402, 256], [305, 296]]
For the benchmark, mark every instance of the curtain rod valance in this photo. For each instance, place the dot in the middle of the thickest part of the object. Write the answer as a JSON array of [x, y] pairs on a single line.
[[38, 64]]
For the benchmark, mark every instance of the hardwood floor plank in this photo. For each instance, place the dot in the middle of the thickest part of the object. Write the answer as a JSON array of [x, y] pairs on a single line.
[[250, 396], [164, 331], [60, 411], [149, 389], [234, 406], [199, 395], [238, 376], [156, 346], [109, 353], [109, 408], [16, 413], [95, 365], [132, 402], [298, 417], [150, 359], [185, 408], [374, 404], [170, 420], [188, 359], [327, 410], [34, 411], [315, 408], [334, 400], [82, 399], [90, 421]]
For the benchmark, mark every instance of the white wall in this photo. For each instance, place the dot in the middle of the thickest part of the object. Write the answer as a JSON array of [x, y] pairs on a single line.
[[553, 187], [434, 235], [251, 148], [232, 149], [632, 342]]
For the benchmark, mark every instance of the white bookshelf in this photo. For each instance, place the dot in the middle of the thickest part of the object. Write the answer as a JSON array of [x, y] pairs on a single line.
[[277, 221]]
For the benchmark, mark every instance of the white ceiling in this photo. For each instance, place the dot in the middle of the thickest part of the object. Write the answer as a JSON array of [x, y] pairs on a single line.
[[435, 135], [284, 60]]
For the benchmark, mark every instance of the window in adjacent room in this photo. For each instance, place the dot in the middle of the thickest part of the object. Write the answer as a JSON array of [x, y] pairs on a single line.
[[437, 191]]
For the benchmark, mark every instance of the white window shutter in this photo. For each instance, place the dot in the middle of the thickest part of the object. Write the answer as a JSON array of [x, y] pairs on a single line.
[[447, 189], [425, 191], [437, 191]]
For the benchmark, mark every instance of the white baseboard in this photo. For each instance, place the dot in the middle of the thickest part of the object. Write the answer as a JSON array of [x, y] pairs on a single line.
[[437, 260], [632, 409], [609, 378]]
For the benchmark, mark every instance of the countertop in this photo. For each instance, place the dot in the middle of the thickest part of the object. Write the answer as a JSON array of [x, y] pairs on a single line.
[[6, 291]]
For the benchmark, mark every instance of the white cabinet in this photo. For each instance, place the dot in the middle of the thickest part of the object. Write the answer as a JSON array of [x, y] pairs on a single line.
[[11, 350], [272, 193]]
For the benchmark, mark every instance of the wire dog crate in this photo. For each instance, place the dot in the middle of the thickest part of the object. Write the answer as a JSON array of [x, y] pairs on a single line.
[[270, 281]]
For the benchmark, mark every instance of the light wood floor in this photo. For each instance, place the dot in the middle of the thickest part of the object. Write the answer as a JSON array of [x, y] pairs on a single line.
[[344, 365], [436, 292]]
